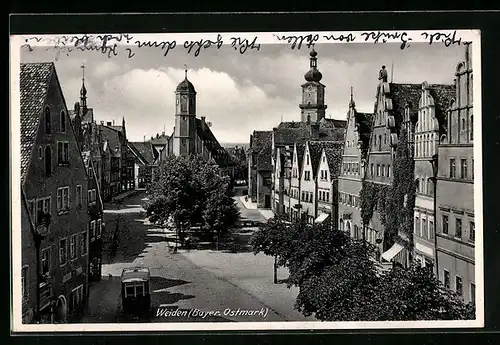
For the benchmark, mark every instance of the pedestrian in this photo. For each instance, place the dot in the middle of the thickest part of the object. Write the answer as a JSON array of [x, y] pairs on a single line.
[[187, 242]]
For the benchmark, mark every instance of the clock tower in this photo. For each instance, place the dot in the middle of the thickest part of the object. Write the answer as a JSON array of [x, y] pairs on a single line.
[[313, 93], [184, 143]]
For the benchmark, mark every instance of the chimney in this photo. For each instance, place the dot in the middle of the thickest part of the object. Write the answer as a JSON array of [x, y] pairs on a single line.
[[163, 133], [203, 118], [144, 139], [102, 123], [157, 135], [314, 130], [109, 123], [152, 138]]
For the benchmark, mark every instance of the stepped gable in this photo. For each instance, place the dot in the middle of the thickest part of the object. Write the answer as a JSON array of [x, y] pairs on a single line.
[[443, 96], [363, 123]]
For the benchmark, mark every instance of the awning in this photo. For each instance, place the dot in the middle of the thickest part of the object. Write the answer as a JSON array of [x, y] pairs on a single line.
[[321, 217], [392, 252]]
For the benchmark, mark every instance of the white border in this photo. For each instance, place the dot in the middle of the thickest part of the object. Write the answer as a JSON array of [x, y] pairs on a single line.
[[263, 38]]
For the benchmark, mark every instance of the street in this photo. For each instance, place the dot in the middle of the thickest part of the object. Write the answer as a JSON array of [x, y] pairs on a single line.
[[234, 285]]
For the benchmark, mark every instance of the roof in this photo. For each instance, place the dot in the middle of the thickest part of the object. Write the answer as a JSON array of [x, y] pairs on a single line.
[[316, 147], [113, 138], [135, 272], [218, 153], [185, 85], [88, 117], [333, 155], [117, 128], [261, 146], [143, 150], [288, 133], [34, 84], [300, 148], [401, 95], [363, 123], [160, 139]]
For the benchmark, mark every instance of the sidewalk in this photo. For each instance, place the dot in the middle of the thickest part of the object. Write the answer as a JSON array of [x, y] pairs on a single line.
[[124, 195], [266, 213]]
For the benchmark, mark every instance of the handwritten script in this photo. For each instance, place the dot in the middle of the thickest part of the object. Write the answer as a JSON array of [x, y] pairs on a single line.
[[109, 44]]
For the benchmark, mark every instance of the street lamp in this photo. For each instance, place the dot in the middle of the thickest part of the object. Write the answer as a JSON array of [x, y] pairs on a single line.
[[434, 163]]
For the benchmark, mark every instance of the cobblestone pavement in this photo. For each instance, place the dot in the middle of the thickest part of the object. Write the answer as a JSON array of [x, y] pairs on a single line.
[[181, 281]]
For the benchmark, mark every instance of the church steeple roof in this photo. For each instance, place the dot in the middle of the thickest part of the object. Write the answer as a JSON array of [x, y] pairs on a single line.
[[83, 90], [313, 75], [185, 85]]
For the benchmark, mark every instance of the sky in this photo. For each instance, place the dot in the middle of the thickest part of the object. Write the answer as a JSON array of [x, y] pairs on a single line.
[[237, 93]]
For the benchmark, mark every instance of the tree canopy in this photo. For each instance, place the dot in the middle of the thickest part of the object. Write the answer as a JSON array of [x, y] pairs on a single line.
[[190, 190], [339, 279]]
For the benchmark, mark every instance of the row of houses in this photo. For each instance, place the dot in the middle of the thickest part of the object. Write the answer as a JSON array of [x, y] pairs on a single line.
[[61, 203], [316, 168]]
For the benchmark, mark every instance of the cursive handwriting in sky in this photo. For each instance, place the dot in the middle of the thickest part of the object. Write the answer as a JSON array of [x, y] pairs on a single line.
[[237, 93]]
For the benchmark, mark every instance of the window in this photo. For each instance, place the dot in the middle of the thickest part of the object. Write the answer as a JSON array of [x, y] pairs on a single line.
[[378, 169], [48, 160], [458, 228], [418, 229], [79, 196], [453, 168], [463, 124], [431, 229], [40, 152], [63, 199], [388, 171], [463, 168], [471, 128], [48, 128], [380, 143], [417, 185], [371, 169], [307, 159], [327, 196], [445, 224], [24, 284], [446, 278], [63, 121], [383, 170], [385, 138], [416, 225], [62, 152], [62, 251], [72, 247], [134, 289], [76, 298], [92, 196], [458, 286], [430, 186], [424, 228], [99, 228], [473, 293], [83, 243], [472, 231], [46, 264]]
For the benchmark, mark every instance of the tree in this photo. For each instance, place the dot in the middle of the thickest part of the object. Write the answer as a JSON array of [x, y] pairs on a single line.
[[339, 279], [190, 190]]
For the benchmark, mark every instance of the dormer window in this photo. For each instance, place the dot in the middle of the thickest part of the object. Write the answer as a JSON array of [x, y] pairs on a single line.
[[63, 121]]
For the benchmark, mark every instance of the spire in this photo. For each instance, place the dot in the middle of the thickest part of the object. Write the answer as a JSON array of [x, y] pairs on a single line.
[[83, 90], [351, 102], [313, 74]]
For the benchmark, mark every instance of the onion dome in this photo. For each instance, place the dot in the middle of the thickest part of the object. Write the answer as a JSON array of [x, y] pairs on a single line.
[[185, 85], [313, 75]]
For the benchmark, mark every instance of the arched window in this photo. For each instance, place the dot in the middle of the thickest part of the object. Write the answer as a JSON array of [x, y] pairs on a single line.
[[63, 121], [380, 143], [48, 161], [463, 124], [48, 128], [385, 138]]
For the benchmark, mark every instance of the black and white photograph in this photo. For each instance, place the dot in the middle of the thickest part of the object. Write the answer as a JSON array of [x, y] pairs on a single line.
[[227, 181]]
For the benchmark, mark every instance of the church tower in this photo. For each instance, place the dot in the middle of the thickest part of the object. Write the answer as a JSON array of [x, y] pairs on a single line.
[[184, 143], [313, 93]]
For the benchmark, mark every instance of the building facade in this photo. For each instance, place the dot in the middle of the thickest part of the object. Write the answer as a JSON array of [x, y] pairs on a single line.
[[55, 182], [433, 104], [353, 168], [455, 262], [259, 168]]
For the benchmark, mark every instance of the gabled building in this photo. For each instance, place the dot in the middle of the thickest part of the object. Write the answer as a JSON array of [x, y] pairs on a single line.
[[144, 163], [54, 181], [395, 109], [431, 125], [309, 184], [95, 224], [295, 187], [354, 162], [455, 259], [260, 168], [327, 182]]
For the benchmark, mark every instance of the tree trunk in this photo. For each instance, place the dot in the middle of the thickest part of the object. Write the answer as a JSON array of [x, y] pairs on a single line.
[[275, 269]]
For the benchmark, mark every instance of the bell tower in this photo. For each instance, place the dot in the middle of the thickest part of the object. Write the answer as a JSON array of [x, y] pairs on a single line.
[[313, 92], [184, 143]]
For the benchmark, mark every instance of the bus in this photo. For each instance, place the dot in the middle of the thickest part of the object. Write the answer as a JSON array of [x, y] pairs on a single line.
[[136, 290]]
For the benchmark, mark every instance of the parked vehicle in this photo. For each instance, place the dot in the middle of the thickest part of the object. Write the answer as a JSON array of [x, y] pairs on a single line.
[[136, 290]]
